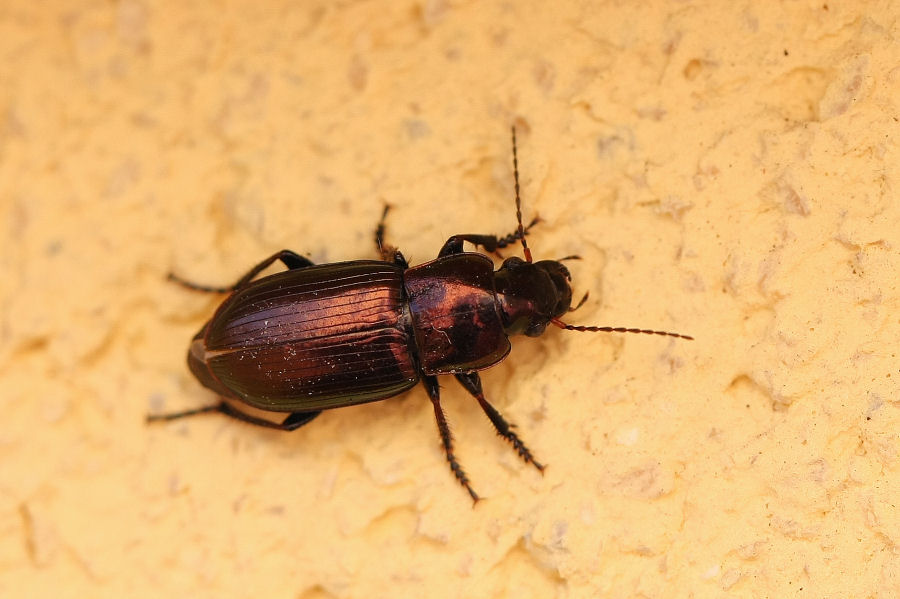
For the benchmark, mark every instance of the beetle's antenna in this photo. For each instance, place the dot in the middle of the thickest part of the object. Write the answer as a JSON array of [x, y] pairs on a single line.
[[581, 303], [521, 229], [572, 327]]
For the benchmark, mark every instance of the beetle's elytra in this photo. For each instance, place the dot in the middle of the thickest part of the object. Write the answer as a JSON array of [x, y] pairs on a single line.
[[317, 337]]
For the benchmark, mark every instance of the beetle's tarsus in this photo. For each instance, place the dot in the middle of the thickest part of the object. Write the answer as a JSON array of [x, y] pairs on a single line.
[[471, 382], [489, 243], [293, 421], [195, 286], [292, 260], [184, 414], [513, 237], [431, 385]]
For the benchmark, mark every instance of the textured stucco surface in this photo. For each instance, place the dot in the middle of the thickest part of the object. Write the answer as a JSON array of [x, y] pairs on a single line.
[[726, 170]]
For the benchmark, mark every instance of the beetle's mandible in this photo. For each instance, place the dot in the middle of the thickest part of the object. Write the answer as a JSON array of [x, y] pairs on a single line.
[[317, 337]]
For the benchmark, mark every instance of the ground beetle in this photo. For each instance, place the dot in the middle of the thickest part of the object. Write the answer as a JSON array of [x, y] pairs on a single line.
[[317, 337]]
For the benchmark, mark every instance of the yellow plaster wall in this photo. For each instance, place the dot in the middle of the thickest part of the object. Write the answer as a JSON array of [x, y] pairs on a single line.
[[725, 169]]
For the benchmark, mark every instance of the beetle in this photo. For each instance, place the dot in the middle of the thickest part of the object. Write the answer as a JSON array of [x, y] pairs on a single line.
[[317, 337]]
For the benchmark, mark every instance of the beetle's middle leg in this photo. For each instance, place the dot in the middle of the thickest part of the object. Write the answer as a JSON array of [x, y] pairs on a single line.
[[431, 385], [290, 259], [384, 249], [490, 243], [388, 252], [294, 420], [472, 383]]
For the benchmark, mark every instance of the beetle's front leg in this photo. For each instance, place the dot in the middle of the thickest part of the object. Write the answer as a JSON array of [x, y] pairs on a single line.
[[431, 385], [472, 383], [294, 420], [291, 260], [490, 243]]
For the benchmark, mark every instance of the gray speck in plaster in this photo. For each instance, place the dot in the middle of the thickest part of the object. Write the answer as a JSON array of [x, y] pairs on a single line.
[[121, 179], [622, 139], [793, 202], [544, 74], [750, 551], [674, 207], [131, 23], [54, 247], [558, 540], [156, 401], [705, 174], [416, 128], [875, 404], [432, 12], [358, 73], [731, 578], [846, 89], [694, 283]]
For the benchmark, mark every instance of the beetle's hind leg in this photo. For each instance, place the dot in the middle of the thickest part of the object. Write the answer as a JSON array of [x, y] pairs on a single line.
[[294, 420], [291, 260], [431, 385], [472, 383]]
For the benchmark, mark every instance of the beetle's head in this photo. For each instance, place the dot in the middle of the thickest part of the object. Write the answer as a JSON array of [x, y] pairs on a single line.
[[531, 294]]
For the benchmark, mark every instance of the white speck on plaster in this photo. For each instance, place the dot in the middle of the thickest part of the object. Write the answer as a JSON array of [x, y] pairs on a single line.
[[628, 437]]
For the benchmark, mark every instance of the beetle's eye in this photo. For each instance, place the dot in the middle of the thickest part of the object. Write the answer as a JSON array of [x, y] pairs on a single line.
[[511, 263]]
